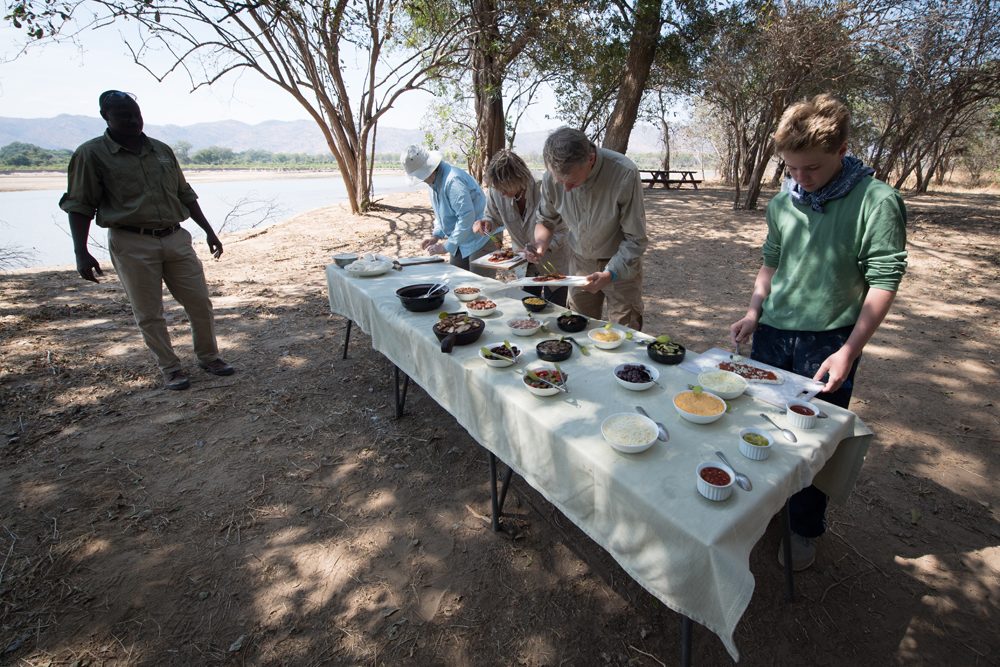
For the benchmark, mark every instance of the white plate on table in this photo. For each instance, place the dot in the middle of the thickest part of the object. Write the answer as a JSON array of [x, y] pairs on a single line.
[[532, 281], [365, 268], [485, 262]]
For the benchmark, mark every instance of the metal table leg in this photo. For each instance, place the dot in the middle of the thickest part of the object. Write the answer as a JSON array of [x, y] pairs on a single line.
[[400, 394], [786, 521], [347, 336], [686, 641], [496, 502]]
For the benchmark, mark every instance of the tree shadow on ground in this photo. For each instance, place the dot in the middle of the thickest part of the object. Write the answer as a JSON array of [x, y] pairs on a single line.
[[282, 516]]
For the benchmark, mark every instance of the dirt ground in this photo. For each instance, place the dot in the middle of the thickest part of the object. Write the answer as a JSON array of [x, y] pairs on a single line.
[[282, 516]]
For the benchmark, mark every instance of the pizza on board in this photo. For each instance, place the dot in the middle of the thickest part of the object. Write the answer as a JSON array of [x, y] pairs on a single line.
[[751, 373]]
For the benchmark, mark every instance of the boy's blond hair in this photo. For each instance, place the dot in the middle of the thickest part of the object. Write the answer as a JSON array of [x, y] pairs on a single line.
[[822, 122]]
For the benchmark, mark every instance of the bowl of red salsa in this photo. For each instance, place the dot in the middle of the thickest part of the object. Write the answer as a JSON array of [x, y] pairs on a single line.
[[715, 480], [801, 414]]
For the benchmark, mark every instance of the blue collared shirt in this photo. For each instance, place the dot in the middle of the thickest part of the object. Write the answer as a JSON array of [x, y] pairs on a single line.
[[458, 202]]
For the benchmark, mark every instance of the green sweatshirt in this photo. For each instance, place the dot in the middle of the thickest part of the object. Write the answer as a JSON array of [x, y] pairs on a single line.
[[826, 262]]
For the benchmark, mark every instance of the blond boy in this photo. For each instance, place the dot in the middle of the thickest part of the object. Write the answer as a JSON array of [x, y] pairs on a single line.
[[833, 259]]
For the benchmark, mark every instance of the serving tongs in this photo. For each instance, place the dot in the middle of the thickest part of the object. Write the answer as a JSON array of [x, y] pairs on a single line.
[[583, 348], [561, 387]]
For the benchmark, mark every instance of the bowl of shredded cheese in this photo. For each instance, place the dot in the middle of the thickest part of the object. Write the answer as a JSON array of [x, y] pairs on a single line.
[[629, 433], [724, 384], [699, 407], [606, 339]]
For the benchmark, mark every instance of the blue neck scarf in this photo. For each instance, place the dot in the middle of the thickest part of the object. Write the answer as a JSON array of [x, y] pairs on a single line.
[[852, 170]]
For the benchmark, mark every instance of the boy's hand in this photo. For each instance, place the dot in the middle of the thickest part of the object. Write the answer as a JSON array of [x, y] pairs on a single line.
[[428, 242], [483, 226], [838, 365], [740, 332]]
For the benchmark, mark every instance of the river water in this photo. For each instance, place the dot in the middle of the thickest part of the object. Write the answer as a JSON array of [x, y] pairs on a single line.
[[32, 222]]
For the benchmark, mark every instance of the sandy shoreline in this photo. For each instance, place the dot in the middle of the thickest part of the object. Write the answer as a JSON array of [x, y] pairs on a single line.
[[56, 180]]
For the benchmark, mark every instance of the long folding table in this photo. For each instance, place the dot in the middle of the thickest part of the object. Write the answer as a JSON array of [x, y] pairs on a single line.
[[691, 553]]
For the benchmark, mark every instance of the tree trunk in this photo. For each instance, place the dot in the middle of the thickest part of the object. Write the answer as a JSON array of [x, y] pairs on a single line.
[[487, 85], [642, 50], [665, 128]]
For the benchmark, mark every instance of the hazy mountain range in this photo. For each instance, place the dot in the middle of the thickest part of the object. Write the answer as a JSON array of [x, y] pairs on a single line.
[[69, 131]]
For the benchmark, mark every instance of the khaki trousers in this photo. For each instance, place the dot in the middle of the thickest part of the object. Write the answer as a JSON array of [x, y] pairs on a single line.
[[623, 297], [144, 263]]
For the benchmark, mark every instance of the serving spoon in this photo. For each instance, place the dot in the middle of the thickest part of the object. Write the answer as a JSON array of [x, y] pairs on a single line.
[[742, 480], [784, 431], [664, 434]]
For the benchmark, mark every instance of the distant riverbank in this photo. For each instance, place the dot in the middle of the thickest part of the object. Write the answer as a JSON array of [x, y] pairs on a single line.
[[56, 180]]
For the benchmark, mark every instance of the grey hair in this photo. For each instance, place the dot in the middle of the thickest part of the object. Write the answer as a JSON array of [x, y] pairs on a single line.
[[565, 149], [508, 171]]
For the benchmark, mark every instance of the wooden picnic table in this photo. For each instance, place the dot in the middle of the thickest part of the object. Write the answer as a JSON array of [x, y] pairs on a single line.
[[664, 177]]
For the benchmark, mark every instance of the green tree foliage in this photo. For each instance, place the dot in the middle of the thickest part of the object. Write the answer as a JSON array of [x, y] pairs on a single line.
[[22, 155], [311, 49]]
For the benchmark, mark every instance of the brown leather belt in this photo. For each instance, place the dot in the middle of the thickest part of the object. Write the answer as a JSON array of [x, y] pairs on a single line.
[[158, 233]]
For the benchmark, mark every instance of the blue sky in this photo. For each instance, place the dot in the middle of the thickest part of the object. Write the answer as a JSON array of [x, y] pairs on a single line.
[[52, 79]]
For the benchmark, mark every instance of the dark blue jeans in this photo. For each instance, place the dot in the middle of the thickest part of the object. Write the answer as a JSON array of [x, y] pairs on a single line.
[[803, 352]]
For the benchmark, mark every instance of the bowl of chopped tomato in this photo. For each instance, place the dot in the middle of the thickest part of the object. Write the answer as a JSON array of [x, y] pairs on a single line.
[[545, 380], [715, 480]]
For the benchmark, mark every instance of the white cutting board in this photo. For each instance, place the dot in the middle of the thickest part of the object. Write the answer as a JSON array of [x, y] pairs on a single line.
[[794, 386]]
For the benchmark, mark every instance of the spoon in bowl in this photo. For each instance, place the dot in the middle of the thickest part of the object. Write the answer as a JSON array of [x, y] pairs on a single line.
[[742, 480], [664, 434], [784, 431]]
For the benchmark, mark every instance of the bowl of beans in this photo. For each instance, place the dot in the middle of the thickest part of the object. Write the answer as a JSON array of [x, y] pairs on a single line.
[[554, 350], [524, 326], [467, 292], [699, 407], [481, 307], [715, 480], [636, 377], [801, 414], [755, 444], [544, 378], [535, 304], [606, 339]]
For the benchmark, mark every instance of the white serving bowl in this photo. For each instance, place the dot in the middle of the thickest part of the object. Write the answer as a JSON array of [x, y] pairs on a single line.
[[696, 418], [629, 433], [344, 258], [755, 452], [502, 362], [526, 331], [637, 386], [801, 421], [711, 491], [480, 312], [470, 296], [724, 384], [543, 391], [606, 345]]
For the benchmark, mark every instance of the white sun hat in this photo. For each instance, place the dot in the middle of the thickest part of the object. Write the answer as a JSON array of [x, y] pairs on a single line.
[[419, 163]]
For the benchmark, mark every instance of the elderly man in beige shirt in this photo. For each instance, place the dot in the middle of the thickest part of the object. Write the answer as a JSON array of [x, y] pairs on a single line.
[[596, 195]]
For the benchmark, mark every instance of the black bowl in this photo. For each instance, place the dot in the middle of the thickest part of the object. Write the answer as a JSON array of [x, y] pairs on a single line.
[[450, 339], [562, 349], [571, 323], [535, 308], [412, 297], [663, 357]]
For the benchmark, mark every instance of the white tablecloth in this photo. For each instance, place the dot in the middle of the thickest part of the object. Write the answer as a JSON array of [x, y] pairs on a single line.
[[691, 553]]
